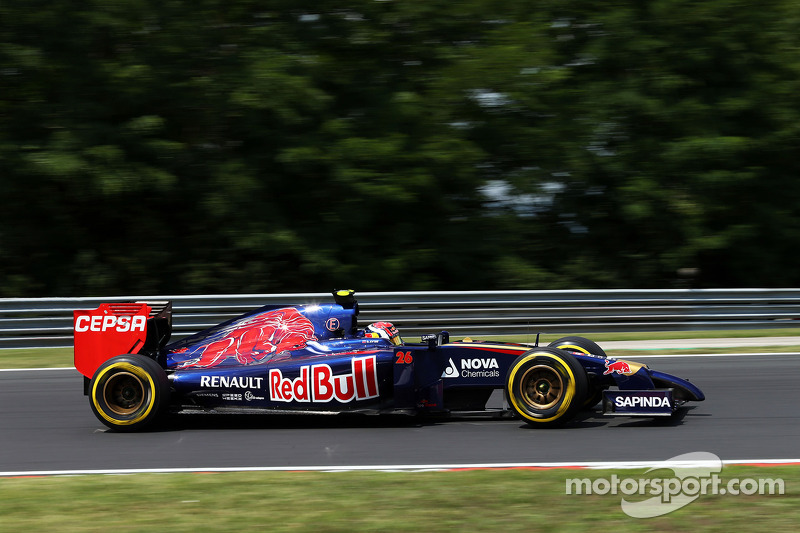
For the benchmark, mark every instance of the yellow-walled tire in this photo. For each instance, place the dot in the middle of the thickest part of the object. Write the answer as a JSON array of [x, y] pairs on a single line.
[[586, 347], [578, 344], [129, 392], [546, 387]]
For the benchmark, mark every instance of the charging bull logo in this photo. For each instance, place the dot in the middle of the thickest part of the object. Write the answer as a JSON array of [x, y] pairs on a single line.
[[254, 339], [617, 367]]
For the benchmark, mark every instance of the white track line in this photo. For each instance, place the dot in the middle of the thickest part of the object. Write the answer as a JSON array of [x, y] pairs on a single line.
[[599, 465]]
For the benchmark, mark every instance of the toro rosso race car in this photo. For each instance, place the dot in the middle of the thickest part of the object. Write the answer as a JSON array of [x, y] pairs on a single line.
[[315, 359]]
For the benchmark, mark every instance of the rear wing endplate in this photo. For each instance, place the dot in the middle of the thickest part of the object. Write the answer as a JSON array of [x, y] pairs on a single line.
[[119, 328]]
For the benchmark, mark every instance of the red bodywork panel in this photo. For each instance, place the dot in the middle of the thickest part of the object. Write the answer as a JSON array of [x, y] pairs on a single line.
[[109, 330]]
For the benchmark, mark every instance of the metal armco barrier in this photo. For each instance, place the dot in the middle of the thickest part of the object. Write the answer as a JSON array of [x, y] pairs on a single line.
[[47, 322]]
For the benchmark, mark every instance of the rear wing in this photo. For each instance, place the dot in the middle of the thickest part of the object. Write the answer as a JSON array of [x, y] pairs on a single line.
[[120, 328]]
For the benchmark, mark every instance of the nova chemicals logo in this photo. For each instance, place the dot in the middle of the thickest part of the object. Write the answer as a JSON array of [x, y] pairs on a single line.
[[477, 367], [480, 368], [451, 371]]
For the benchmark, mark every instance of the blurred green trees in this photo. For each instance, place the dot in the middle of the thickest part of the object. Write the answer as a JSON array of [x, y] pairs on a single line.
[[240, 146]]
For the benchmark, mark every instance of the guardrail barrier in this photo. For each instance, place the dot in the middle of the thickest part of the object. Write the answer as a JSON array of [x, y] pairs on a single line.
[[47, 322]]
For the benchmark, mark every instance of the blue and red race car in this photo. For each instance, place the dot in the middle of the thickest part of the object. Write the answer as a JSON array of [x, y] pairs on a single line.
[[316, 359]]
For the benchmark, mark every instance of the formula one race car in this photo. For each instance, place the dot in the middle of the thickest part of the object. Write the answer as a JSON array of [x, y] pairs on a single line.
[[315, 359]]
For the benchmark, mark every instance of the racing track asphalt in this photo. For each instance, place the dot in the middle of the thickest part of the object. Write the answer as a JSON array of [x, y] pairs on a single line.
[[751, 413]]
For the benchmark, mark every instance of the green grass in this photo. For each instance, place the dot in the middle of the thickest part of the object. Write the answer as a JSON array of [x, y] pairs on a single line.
[[484, 500], [36, 358]]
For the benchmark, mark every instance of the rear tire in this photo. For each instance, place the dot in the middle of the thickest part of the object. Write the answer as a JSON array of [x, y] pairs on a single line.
[[129, 392], [546, 387]]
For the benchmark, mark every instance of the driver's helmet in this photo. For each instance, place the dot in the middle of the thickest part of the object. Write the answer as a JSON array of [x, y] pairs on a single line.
[[383, 330]]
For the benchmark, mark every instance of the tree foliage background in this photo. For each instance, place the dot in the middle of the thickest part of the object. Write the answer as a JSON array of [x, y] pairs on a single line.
[[202, 147]]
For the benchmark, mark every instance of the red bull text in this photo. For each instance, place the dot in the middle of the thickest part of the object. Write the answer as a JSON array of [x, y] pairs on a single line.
[[317, 383]]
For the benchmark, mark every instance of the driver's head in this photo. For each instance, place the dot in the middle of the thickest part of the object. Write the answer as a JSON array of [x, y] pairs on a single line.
[[383, 330]]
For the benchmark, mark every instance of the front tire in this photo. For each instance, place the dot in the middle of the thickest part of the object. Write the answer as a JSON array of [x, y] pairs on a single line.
[[586, 347], [546, 387], [129, 392], [579, 345]]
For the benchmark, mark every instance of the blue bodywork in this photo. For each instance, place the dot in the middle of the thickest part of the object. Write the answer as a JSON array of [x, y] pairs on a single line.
[[313, 358]]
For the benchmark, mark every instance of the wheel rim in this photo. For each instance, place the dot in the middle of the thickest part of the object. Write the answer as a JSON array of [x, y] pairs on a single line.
[[542, 387], [124, 393]]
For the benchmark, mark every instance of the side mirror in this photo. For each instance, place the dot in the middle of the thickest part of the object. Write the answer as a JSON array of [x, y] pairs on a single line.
[[436, 339]]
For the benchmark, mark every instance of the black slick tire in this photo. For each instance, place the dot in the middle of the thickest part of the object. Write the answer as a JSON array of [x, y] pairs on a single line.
[[129, 392]]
